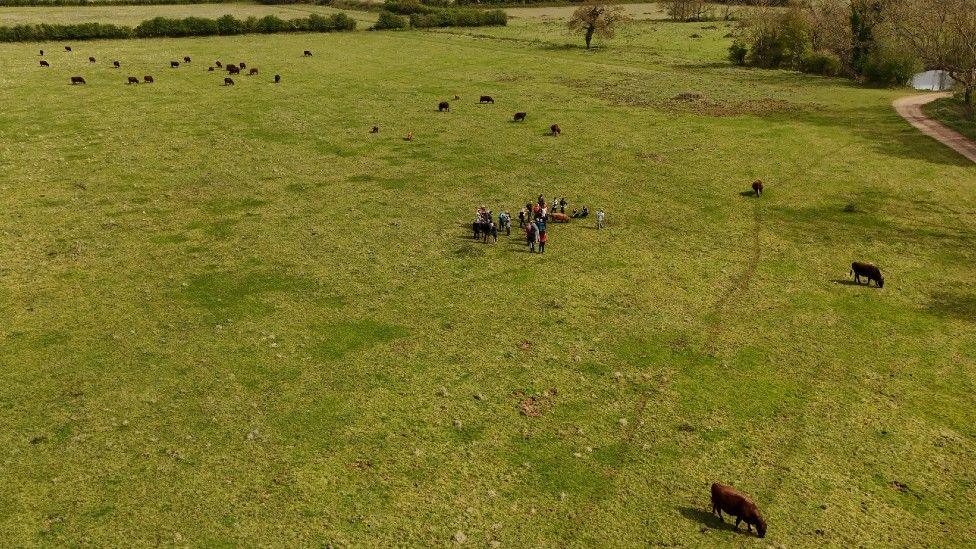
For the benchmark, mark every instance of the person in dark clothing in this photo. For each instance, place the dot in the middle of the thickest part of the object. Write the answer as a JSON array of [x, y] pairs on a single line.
[[543, 238], [530, 236]]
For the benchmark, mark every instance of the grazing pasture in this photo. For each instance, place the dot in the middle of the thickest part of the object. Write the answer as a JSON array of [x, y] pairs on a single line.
[[235, 316]]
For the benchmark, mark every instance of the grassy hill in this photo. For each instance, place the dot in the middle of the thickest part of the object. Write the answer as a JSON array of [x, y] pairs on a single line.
[[233, 317]]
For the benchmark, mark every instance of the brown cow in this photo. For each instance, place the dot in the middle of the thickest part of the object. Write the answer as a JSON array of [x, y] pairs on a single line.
[[45, 63], [486, 99], [228, 81], [42, 53], [116, 64], [252, 72], [409, 137], [308, 53], [186, 58], [148, 79], [277, 79], [67, 48], [232, 69], [242, 65], [218, 63], [210, 69], [555, 129], [560, 218], [174, 64], [77, 80], [867, 270], [444, 106], [728, 499], [519, 117], [757, 187], [133, 80], [91, 59]]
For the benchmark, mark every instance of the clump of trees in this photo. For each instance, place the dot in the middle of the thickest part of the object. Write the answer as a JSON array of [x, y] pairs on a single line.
[[881, 42], [594, 19], [435, 13]]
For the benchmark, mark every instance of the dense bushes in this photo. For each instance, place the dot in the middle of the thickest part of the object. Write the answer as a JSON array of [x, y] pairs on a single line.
[[390, 21], [823, 63], [229, 25], [459, 18], [82, 31], [175, 28], [888, 67]]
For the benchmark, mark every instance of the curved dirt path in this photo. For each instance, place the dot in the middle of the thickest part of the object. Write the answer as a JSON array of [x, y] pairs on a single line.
[[910, 108]]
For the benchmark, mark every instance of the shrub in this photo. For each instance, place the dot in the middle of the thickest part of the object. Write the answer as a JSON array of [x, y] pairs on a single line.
[[389, 21], [738, 52], [459, 17], [780, 42], [823, 63], [407, 7], [885, 67], [83, 31]]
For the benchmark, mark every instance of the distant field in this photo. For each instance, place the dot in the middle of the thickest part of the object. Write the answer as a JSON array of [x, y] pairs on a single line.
[[133, 15], [233, 317]]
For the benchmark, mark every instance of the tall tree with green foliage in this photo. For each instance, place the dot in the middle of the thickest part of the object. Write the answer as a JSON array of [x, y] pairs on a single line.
[[597, 19]]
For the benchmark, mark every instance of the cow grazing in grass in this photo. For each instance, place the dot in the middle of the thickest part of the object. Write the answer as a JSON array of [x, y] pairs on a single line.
[[210, 69], [174, 64], [148, 79], [232, 69], [277, 79], [252, 72], [556, 130], [228, 81], [133, 80], [409, 137], [67, 48], [45, 63], [91, 59], [757, 187], [186, 58], [77, 80], [42, 53], [116, 64], [308, 53], [867, 270], [219, 64], [519, 117], [242, 65], [444, 106], [374, 129], [560, 218], [486, 99], [729, 500]]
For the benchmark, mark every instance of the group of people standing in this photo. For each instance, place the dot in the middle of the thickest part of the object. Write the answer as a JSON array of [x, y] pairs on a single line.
[[533, 220]]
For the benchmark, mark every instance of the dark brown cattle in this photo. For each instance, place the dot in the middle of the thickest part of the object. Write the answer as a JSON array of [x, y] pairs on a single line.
[[560, 218], [757, 187], [242, 65], [555, 129], [42, 52], [308, 53], [219, 64], [519, 117], [186, 58], [228, 81], [174, 64], [444, 106], [45, 63], [116, 64], [867, 270], [133, 80], [486, 99], [210, 69], [729, 500], [91, 59], [457, 97], [148, 79], [374, 129], [232, 69], [277, 78], [67, 48], [252, 72], [77, 80]]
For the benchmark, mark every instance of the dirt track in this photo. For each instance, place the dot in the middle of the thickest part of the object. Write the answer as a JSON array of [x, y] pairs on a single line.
[[910, 108]]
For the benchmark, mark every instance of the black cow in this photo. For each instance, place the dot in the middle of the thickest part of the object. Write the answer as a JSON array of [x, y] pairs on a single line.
[[556, 130], [519, 117], [148, 79], [444, 106], [486, 99], [77, 80], [133, 80], [277, 79], [45, 63], [186, 58], [867, 270], [308, 53], [174, 64], [228, 81], [116, 64], [91, 59], [757, 187]]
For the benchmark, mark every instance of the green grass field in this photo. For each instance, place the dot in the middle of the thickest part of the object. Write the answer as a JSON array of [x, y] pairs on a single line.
[[234, 318]]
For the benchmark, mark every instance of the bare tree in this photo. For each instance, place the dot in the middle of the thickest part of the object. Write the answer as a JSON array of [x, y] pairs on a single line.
[[687, 10], [599, 19], [943, 34]]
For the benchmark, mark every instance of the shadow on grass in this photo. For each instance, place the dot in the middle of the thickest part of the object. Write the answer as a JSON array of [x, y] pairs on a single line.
[[707, 519], [849, 282], [750, 194], [954, 304]]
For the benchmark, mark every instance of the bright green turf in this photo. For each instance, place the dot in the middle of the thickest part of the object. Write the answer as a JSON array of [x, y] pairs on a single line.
[[231, 317]]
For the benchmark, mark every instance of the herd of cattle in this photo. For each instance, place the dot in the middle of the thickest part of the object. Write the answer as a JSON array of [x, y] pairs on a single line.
[[148, 79]]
